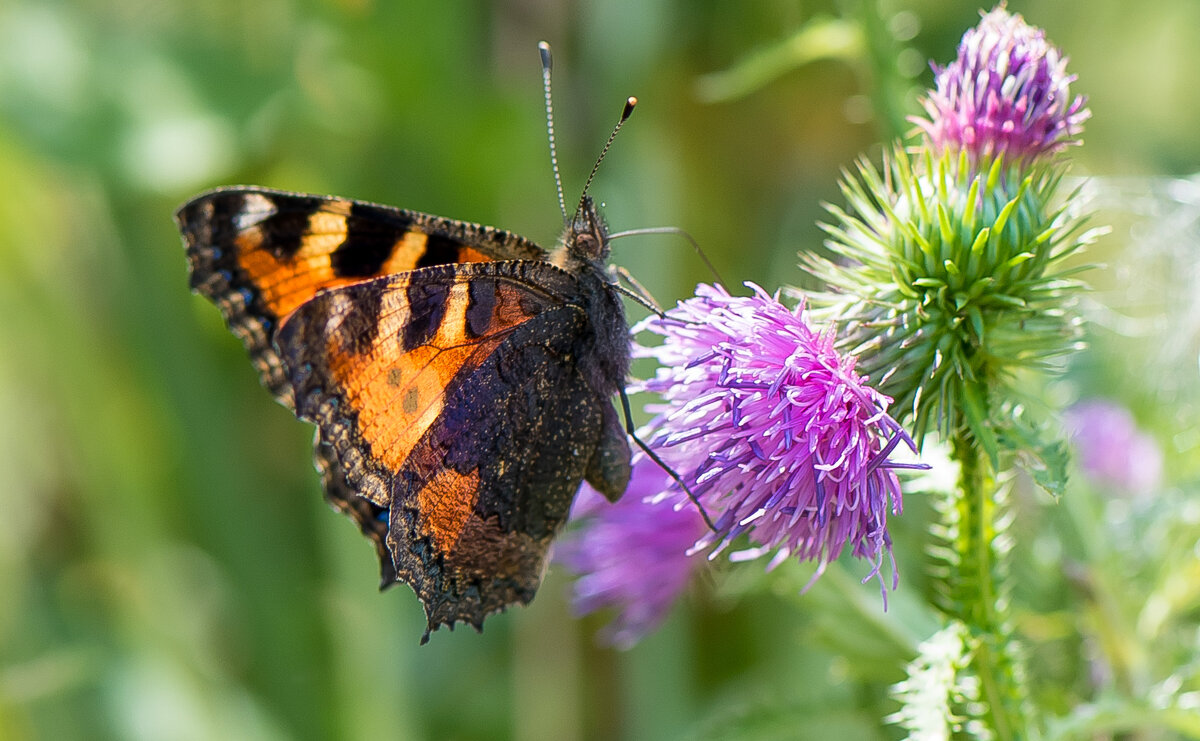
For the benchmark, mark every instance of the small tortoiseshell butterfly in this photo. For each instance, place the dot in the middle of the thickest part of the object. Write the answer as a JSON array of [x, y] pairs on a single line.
[[461, 377]]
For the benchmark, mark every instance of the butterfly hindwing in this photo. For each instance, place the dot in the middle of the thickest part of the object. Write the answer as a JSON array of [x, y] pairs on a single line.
[[456, 399], [259, 254], [371, 519]]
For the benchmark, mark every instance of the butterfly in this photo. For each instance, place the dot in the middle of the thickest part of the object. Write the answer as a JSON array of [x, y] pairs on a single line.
[[460, 377]]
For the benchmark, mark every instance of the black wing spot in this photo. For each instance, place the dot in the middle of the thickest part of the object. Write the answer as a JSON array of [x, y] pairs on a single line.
[[368, 245], [359, 326], [439, 250], [481, 302], [283, 232], [427, 306]]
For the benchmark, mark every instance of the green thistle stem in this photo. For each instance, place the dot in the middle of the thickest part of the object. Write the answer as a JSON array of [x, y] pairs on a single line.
[[978, 593]]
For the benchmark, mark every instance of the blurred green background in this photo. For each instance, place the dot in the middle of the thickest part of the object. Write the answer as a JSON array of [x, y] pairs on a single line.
[[168, 569]]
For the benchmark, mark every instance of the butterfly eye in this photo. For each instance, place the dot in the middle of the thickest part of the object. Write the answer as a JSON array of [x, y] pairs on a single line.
[[587, 244]]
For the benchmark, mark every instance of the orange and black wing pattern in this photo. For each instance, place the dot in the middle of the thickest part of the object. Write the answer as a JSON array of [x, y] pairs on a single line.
[[461, 384], [259, 254], [452, 400]]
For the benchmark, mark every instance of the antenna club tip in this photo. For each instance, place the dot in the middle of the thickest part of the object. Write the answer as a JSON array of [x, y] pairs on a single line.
[[544, 51], [630, 102]]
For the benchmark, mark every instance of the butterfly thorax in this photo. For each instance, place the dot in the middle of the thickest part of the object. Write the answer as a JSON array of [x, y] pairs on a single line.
[[583, 251]]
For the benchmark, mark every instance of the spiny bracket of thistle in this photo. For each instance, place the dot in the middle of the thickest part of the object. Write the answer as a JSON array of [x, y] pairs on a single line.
[[949, 279], [964, 556], [970, 571]]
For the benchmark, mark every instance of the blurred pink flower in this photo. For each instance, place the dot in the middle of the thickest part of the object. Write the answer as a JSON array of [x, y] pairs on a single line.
[[631, 555], [1111, 450]]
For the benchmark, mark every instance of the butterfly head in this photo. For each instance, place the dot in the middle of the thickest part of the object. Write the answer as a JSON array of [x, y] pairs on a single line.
[[585, 239]]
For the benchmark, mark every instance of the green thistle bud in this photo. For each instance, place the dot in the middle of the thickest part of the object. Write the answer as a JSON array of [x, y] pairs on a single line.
[[950, 278]]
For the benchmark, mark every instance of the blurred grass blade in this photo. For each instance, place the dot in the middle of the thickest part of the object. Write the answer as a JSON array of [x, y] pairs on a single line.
[[820, 38]]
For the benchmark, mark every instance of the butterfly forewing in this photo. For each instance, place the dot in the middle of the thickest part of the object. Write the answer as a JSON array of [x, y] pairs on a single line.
[[259, 254]]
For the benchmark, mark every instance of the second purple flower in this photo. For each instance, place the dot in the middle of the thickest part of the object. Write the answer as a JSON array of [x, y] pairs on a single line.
[[772, 430]]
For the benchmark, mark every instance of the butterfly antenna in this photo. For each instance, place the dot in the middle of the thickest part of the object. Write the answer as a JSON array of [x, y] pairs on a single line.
[[630, 102], [678, 232], [544, 50]]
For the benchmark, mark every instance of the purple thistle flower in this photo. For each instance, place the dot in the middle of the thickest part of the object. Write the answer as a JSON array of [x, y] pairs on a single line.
[[1007, 93], [631, 555], [772, 430], [1112, 451]]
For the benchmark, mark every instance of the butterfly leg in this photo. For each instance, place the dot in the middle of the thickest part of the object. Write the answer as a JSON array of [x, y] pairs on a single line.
[[662, 464], [636, 290]]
